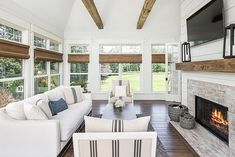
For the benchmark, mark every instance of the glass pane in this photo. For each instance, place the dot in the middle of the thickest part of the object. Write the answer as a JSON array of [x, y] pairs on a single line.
[[158, 77], [79, 68], [55, 81], [10, 33], [106, 81], [110, 49], [75, 79], [79, 49], [169, 82], [40, 68], [15, 88], [39, 42], [109, 68], [40, 85], [160, 48], [10, 67], [55, 67], [131, 49], [131, 72], [54, 46]]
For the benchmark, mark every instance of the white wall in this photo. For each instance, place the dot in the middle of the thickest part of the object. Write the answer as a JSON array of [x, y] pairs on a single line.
[[208, 51], [120, 21]]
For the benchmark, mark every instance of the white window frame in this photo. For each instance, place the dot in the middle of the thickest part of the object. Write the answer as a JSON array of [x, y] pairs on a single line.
[[88, 68], [156, 44], [120, 64], [18, 78]]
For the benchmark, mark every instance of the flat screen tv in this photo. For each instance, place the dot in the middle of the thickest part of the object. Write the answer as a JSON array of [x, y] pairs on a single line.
[[206, 24]]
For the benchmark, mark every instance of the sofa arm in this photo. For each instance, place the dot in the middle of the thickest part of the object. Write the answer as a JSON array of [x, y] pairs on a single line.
[[87, 96], [27, 138]]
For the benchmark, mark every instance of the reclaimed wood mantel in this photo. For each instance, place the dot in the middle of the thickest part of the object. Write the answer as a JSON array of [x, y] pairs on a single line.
[[221, 65]]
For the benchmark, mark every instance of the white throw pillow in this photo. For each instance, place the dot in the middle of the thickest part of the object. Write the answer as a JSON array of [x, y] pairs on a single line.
[[33, 112], [16, 110], [80, 95], [45, 108], [68, 95], [120, 91], [93, 124], [70, 98]]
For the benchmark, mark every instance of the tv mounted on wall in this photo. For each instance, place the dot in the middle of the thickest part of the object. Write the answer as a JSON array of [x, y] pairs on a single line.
[[206, 24]]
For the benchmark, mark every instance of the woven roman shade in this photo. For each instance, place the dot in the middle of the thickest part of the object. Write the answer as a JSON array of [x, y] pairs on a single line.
[[158, 58], [120, 58], [78, 58], [47, 55], [13, 50]]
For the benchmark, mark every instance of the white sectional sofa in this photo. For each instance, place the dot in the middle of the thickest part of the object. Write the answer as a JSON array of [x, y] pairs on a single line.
[[41, 138]]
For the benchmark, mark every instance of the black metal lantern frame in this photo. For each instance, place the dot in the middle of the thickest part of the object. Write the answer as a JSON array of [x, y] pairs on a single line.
[[186, 52], [231, 54]]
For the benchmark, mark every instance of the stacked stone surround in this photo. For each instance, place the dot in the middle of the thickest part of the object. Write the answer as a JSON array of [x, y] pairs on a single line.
[[204, 142]]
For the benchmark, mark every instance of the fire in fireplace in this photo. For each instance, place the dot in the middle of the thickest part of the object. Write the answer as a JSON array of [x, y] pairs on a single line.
[[213, 117]]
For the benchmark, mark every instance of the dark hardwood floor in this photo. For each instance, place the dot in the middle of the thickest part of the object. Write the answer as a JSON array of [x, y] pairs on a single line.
[[172, 141]]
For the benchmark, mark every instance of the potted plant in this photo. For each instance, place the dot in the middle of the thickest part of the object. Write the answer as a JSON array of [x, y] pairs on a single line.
[[83, 84]]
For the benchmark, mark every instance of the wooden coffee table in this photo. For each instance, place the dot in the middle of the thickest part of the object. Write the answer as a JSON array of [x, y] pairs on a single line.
[[124, 113]]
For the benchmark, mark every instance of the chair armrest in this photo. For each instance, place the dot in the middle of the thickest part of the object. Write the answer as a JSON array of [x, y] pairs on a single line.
[[26, 138]]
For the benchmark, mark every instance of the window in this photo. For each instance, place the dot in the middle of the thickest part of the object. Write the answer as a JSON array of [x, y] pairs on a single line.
[[39, 41], [11, 77], [108, 73], [47, 76], [116, 49], [158, 70], [78, 72], [131, 72], [55, 74], [79, 49], [130, 49], [117, 71], [159, 48], [54, 46], [10, 33]]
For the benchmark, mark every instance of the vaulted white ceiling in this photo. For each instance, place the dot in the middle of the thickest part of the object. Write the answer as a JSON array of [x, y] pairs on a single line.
[[117, 15]]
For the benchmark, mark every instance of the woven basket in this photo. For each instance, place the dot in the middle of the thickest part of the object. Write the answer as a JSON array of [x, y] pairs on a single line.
[[175, 111], [187, 121]]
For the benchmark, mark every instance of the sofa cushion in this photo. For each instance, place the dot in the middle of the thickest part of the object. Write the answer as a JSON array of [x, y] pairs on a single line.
[[33, 100], [56, 94], [16, 110], [93, 124], [73, 95], [57, 106], [44, 106], [71, 118], [33, 112]]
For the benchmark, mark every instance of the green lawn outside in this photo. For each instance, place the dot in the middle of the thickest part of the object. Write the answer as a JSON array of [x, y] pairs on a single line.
[[134, 78]]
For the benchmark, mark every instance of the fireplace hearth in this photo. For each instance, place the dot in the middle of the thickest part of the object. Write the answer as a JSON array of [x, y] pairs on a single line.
[[213, 117]]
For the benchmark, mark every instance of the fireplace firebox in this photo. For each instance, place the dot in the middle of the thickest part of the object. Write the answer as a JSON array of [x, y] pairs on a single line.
[[213, 117]]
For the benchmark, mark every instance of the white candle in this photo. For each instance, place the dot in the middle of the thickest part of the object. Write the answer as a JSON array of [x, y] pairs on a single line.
[[187, 57]]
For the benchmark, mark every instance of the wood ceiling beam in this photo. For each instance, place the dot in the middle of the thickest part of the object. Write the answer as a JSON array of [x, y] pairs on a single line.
[[148, 5], [90, 5]]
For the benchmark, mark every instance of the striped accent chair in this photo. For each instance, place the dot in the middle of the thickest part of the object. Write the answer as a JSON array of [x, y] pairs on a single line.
[[128, 98], [118, 144]]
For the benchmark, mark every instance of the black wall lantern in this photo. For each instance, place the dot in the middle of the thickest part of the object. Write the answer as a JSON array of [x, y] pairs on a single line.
[[186, 52], [231, 53]]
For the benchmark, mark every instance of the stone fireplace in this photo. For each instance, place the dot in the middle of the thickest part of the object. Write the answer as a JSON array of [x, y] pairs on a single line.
[[213, 106]]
